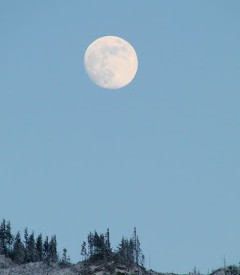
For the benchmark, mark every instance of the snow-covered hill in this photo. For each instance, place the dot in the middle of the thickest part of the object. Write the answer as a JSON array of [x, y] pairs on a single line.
[[7, 267]]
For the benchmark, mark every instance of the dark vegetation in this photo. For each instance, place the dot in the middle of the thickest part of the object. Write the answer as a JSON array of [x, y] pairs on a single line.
[[95, 250], [30, 249]]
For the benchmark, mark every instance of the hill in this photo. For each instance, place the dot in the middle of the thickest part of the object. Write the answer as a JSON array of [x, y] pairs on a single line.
[[7, 267], [36, 256]]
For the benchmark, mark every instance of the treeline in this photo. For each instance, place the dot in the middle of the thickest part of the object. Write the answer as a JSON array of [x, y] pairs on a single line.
[[30, 249], [98, 248]]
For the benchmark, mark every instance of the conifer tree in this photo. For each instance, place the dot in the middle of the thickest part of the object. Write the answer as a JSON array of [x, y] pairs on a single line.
[[65, 261], [95, 243], [126, 251], [90, 244], [135, 245], [46, 256], [99, 246], [107, 244], [84, 251], [142, 260], [28, 250], [26, 236], [3, 239], [121, 251], [31, 251], [26, 239], [18, 254], [64, 257], [130, 251], [137, 252], [53, 249], [39, 248], [9, 239]]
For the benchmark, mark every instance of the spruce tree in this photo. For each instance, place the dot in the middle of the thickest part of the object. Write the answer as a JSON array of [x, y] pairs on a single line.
[[99, 246], [84, 251], [90, 244], [137, 252], [9, 239], [39, 248], [31, 248], [130, 251], [3, 239], [108, 249], [18, 254], [64, 256], [26, 236], [95, 243], [65, 261], [26, 240], [126, 252], [142, 260], [46, 255], [53, 249], [121, 251], [135, 245]]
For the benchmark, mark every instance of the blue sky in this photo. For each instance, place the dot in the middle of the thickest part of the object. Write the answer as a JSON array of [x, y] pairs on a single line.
[[161, 154]]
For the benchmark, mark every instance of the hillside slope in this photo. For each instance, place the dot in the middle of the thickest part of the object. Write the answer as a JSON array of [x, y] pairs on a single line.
[[7, 267]]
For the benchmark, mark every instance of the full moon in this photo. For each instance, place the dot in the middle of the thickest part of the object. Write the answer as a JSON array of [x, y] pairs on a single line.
[[111, 62]]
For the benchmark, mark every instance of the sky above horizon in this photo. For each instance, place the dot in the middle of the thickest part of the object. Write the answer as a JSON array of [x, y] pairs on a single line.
[[161, 154]]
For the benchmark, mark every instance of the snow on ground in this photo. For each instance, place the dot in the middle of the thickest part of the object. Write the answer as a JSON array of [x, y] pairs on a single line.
[[7, 267]]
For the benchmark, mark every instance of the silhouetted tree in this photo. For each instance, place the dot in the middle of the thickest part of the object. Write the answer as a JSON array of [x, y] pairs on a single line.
[[125, 253], [18, 254], [39, 248], [46, 254], [84, 251], [108, 249], [98, 246], [129, 251], [9, 239], [65, 261], [26, 239], [31, 248], [142, 260], [90, 244], [3, 238], [53, 249]]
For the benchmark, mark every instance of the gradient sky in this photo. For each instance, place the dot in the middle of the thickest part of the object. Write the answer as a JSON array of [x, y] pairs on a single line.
[[161, 154]]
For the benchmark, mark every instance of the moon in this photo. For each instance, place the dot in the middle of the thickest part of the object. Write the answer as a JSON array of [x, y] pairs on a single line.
[[111, 62]]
